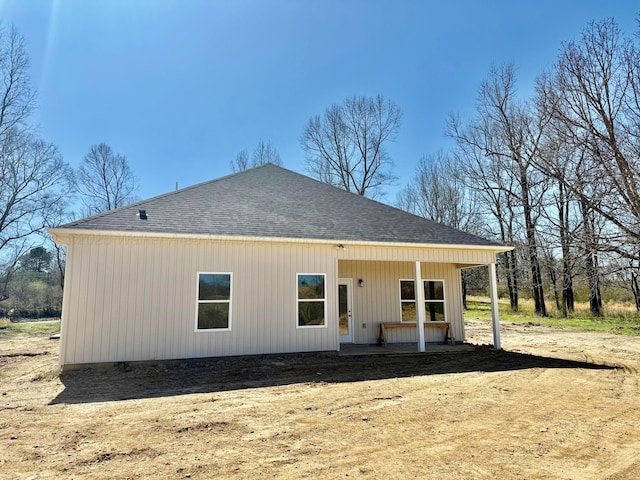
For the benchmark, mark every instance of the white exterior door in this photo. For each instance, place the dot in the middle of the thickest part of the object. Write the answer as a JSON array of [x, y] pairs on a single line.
[[345, 315]]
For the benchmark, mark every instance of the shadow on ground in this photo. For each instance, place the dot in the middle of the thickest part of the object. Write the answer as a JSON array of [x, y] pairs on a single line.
[[133, 381]]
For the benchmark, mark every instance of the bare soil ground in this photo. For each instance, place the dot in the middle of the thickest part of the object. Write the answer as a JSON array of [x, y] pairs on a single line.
[[555, 404]]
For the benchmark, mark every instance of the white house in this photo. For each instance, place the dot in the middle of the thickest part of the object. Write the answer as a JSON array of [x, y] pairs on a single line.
[[262, 261]]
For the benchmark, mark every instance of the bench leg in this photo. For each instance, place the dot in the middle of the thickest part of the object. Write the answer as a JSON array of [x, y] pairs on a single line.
[[448, 338], [381, 339]]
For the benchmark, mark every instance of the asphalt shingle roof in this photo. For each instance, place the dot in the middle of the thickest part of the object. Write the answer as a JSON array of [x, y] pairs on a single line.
[[270, 201]]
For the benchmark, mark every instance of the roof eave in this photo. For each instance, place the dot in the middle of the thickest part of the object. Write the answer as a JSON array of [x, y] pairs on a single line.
[[61, 235]]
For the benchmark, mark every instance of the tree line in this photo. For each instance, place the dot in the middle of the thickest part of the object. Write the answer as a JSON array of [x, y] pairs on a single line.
[[555, 174], [38, 189]]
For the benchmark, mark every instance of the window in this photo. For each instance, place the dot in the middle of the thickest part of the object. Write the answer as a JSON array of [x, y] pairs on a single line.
[[311, 300], [408, 301], [214, 301], [433, 300]]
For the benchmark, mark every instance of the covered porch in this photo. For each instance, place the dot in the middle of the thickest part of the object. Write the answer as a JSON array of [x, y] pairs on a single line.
[[375, 290]]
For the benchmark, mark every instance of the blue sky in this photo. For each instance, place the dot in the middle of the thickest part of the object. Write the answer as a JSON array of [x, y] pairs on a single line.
[[181, 86]]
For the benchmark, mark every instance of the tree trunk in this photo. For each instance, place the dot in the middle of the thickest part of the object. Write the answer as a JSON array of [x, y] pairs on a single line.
[[510, 263], [554, 281], [568, 299], [568, 302], [511, 267], [536, 278], [6, 276], [591, 260], [463, 276], [635, 288], [595, 297], [596, 269], [4, 287], [60, 264], [532, 247], [515, 298]]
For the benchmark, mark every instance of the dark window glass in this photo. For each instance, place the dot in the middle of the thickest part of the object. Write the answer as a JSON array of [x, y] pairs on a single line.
[[435, 311], [310, 313], [310, 286], [214, 301], [407, 291], [213, 315], [214, 286], [433, 290]]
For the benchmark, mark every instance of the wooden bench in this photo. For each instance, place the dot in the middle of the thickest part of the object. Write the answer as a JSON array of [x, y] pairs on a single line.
[[444, 325]]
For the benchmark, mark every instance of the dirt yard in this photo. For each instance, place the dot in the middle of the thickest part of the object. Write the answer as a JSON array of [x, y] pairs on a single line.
[[555, 404]]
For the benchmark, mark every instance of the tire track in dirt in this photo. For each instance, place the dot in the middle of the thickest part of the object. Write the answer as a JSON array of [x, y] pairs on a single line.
[[624, 465], [479, 415], [23, 354]]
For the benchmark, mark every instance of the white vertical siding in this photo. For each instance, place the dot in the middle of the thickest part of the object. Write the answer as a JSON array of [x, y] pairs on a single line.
[[135, 299], [411, 254]]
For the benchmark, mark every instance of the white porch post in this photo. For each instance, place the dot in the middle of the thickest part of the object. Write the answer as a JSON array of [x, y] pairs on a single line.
[[495, 316], [420, 312]]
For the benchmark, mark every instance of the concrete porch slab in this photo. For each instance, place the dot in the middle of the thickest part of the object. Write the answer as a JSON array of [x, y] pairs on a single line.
[[350, 349]]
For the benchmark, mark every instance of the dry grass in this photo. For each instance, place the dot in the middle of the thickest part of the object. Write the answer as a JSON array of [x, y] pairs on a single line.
[[9, 328], [620, 317]]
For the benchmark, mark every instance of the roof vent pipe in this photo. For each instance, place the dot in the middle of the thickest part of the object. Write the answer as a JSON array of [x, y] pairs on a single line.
[[142, 214]]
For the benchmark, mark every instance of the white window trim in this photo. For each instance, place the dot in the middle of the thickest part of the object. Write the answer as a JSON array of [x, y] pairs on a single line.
[[198, 302], [298, 300], [443, 301]]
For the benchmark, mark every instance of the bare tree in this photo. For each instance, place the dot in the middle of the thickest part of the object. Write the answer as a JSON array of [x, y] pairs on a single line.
[[345, 147], [9, 264], [561, 216], [33, 175], [592, 264], [33, 182], [105, 180], [18, 99], [563, 203], [497, 205], [509, 134], [593, 96], [437, 192], [241, 162], [264, 153], [58, 216]]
